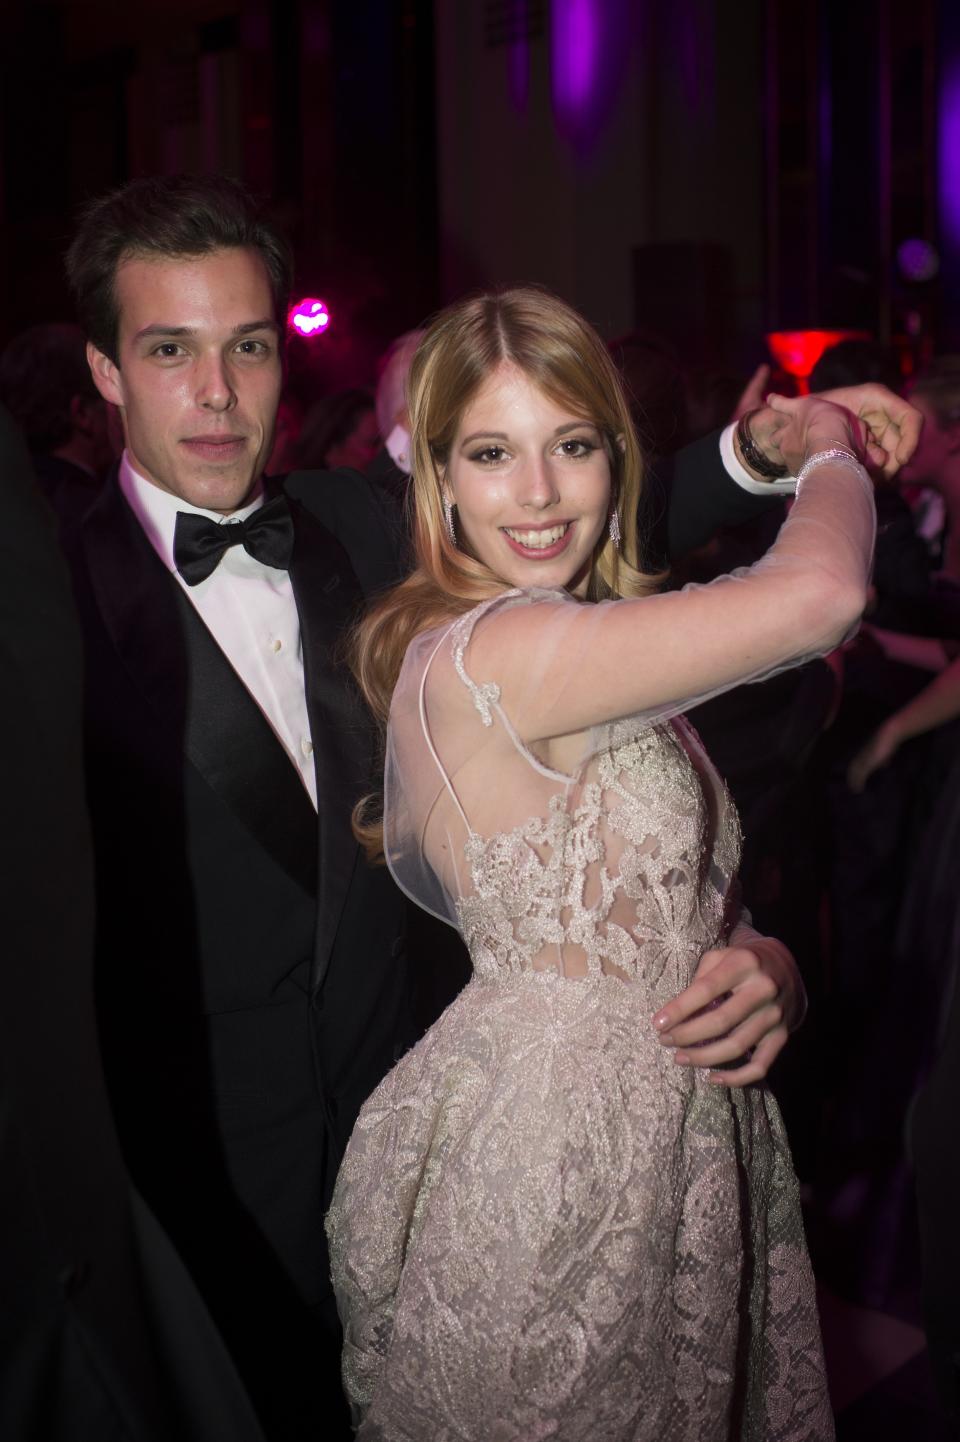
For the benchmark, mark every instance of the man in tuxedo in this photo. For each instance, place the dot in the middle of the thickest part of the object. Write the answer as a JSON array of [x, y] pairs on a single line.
[[102, 1334], [252, 979], [251, 970]]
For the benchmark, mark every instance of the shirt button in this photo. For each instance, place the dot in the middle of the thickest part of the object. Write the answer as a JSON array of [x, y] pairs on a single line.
[[276, 644], [306, 746]]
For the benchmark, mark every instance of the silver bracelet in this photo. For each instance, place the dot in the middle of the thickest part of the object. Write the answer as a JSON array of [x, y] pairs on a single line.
[[834, 456]]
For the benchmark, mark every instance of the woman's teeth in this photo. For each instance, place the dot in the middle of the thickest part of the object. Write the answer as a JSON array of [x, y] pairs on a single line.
[[537, 540]]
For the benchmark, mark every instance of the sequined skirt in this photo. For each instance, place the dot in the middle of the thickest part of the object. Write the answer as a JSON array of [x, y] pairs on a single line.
[[543, 1228]]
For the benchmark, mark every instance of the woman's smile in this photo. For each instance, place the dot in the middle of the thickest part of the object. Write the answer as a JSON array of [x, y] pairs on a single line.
[[531, 483]]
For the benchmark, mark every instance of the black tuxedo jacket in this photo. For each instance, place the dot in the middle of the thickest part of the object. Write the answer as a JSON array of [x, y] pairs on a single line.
[[251, 967], [102, 1333]]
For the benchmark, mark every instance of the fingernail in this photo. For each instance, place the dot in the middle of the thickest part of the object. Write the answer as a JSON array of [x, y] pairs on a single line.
[[661, 1020], [681, 1058], [666, 1039]]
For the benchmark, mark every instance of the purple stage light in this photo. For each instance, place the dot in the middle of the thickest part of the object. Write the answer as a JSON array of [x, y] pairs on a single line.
[[593, 56], [576, 53], [950, 154], [309, 317]]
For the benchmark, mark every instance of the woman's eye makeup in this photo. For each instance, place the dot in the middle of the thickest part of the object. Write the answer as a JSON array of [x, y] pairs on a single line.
[[577, 446], [572, 447], [488, 455]]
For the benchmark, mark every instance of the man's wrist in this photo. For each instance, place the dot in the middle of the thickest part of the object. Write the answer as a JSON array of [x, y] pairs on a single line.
[[754, 450], [744, 477]]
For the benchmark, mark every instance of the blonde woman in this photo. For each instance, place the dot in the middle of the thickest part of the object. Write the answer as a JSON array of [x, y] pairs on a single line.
[[570, 1212]]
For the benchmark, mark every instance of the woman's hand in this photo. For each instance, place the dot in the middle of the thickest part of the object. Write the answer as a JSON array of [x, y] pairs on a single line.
[[879, 751], [736, 1014], [812, 424], [892, 427]]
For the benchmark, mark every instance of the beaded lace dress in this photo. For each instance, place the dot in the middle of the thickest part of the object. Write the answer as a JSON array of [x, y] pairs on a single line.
[[543, 1227]]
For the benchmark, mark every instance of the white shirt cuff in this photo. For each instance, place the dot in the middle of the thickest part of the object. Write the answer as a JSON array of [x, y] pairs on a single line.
[[739, 473]]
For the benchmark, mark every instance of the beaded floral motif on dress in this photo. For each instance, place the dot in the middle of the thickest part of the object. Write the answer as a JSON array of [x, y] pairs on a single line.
[[645, 800]]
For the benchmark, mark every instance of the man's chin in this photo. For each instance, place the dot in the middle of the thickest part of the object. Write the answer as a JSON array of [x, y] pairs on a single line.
[[211, 489]]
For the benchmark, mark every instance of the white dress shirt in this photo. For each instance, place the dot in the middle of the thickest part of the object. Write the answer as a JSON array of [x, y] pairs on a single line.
[[738, 472], [250, 611]]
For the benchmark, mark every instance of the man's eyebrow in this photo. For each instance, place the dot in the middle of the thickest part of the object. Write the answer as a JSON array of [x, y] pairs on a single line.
[[174, 332], [251, 325], [168, 330]]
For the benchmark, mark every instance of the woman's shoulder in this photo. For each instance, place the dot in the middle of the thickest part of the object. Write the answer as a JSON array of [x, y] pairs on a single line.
[[447, 640]]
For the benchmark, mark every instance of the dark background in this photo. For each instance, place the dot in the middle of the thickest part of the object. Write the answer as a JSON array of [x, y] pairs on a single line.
[[714, 169]]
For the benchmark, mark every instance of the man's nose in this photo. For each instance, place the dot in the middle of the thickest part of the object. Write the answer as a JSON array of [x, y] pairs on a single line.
[[215, 390]]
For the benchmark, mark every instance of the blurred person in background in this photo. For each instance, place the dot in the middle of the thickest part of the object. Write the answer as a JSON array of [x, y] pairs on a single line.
[[653, 380], [936, 461], [338, 431], [393, 419], [286, 435], [45, 384]]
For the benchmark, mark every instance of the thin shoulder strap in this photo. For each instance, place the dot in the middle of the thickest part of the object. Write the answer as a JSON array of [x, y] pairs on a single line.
[[486, 695], [426, 730]]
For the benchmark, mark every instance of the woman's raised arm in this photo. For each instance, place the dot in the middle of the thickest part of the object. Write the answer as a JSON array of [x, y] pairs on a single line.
[[563, 667]]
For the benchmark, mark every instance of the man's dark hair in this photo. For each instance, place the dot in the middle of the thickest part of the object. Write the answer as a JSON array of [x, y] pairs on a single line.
[[939, 385], [42, 370], [166, 217], [855, 363]]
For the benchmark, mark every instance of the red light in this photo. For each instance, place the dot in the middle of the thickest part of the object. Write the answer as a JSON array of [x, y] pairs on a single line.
[[309, 317], [797, 351]]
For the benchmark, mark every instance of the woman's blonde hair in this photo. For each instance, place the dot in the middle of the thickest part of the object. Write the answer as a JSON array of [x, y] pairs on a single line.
[[562, 354]]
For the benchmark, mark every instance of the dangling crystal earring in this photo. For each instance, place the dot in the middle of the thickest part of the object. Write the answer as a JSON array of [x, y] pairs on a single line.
[[448, 521], [615, 535]]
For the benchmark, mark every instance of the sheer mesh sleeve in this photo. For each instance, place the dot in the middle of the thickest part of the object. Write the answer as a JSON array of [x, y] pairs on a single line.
[[494, 717], [565, 668]]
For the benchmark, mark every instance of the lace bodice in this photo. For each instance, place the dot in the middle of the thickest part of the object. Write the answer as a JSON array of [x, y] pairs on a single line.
[[621, 867]]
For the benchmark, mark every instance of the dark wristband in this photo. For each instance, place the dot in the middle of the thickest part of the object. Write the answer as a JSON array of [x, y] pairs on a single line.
[[753, 455]]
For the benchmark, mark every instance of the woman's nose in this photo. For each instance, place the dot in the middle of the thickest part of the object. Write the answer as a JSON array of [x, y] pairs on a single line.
[[539, 487]]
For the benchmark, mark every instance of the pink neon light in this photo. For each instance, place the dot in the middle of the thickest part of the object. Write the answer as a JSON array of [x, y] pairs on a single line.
[[310, 317]]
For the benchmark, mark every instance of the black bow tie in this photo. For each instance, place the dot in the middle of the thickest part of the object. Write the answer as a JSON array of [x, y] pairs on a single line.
[[199, 543]]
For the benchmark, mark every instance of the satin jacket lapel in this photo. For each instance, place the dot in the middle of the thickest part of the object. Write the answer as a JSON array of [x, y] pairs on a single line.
[[141, 609], [329, 599]]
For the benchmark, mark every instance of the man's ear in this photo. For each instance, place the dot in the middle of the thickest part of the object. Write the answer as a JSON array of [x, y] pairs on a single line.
[[106, 375]]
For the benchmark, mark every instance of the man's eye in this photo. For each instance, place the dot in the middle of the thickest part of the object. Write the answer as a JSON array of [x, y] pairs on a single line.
[[168, 350], [253, 347]]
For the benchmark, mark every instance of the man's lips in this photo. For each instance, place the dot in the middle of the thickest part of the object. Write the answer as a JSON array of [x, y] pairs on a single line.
[[215, 448]]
